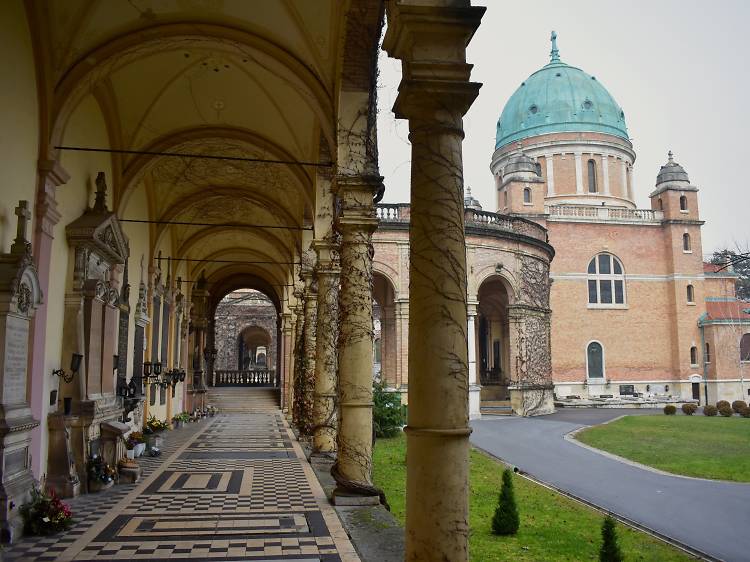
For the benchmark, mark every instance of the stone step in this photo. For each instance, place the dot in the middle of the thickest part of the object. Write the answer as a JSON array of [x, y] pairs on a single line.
[[495, 404]]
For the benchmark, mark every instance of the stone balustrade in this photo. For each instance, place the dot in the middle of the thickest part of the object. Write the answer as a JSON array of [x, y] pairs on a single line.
[[603, 213], [248, 377], [399, 213]]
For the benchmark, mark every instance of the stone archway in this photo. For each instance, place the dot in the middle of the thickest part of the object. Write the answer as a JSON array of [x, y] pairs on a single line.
[[493, 339], [386, 341]]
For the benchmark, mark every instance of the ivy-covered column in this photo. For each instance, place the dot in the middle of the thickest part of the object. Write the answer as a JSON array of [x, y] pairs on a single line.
[[298, 368], [324, 407], [356, 222], [308, 377], [434, 94]]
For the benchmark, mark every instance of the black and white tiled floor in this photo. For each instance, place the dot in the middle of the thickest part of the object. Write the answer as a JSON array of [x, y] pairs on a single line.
[[235, 487]]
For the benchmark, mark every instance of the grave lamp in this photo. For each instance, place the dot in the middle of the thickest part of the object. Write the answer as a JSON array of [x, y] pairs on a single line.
[[147, 369], [157, 368], [75, 365], [182, 375]]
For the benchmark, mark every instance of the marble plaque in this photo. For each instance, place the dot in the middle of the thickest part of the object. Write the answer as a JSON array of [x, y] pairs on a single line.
[[15, 355]]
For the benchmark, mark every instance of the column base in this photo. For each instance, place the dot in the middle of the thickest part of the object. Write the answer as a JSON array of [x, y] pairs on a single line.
[[475, 401], [344, 497], [532, 401]]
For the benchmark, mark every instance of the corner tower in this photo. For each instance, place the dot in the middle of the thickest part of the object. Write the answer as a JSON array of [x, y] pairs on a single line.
[[572, 127]]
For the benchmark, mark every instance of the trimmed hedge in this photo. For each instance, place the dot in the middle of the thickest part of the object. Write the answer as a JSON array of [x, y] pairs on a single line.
[[722, 403], [739, 405], [726, 411], [709, 410], [689, 409], [745, 412], [670, 410]]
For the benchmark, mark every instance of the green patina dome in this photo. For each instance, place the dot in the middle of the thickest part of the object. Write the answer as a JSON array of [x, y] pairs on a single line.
[[559, 98]]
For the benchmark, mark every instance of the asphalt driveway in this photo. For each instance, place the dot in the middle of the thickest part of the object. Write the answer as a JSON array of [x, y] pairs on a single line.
[[712, 517]]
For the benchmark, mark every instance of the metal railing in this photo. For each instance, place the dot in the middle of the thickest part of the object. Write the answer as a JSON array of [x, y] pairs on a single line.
[[249, 377], [492, 376]]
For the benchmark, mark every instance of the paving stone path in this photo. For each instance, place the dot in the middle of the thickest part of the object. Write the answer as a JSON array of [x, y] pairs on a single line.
[[234, 487]]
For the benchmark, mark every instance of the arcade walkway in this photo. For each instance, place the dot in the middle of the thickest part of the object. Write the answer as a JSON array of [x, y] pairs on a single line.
[[233, 487]]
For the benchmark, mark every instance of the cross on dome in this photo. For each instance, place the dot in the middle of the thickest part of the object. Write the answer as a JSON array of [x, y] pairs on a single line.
[[670, 157], [554, 55]]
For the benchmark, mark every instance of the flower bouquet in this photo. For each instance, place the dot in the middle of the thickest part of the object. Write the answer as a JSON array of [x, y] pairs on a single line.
[[45, 514], [101, 475]]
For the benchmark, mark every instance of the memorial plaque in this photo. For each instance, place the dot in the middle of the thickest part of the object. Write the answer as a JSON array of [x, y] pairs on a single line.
[[627, 389], [15, 356]]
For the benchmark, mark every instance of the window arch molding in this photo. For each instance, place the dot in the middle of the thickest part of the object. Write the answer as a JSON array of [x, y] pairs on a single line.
[[687, 245], [690, 293], [527, 196], [596, 363], [591, 172], [606, 282], [745, 347]]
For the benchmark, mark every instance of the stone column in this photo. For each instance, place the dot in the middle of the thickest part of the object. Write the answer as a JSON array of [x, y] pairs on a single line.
[[356, 222], [474, 389], [305, 424], [286, 360], [51, 175], [434, 94], [402, 343], [324, 405]]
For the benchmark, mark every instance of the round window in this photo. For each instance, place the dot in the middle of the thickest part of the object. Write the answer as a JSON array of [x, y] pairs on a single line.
[[533, 109], [588, 104]]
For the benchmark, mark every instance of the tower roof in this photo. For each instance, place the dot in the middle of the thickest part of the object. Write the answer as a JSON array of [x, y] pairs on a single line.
[[559, 98], [671, 172]]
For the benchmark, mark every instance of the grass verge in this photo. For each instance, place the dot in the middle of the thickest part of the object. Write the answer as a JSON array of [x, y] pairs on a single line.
[[697, 445], [553, 527]]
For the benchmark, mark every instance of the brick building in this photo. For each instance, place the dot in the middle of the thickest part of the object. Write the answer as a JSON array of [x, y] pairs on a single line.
[[635, 312]]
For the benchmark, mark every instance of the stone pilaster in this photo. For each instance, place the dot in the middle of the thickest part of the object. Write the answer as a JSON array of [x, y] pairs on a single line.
[[434, 94], [356, 223], [324, 405], [51, 175]]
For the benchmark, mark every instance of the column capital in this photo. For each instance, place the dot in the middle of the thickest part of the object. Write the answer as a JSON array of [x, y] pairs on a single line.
[[471, 308], [357, 206], [51, 176], [328, 256]]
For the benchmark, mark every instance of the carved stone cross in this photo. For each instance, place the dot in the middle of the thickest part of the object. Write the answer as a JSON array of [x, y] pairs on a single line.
[[21, 245]]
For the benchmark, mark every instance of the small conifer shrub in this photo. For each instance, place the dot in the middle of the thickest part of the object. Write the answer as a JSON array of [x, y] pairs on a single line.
[[739, 405], [709, 410], [689, 409], [506, 520], [670, 410], [726, 411], [722, 404], [610, 550], [745, 412]]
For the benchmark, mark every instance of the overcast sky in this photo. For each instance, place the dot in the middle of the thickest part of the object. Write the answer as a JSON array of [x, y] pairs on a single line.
[[678, 68]]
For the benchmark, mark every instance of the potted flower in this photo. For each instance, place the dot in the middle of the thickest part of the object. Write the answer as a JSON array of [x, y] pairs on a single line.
[[101, 475], [129, 449], [45, 514], [139, 442]]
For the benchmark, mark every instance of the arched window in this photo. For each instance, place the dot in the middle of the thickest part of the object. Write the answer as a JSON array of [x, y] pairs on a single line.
[[707, 355], [660, 204], [745, 347], [527, 195], [686, 247], [595, 360], [505, 198], [606, 281], [693, 355], [683, 203], [690, 294], [592, 176]]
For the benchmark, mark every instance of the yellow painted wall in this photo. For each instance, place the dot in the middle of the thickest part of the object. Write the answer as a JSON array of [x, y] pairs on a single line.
[[86, 128], [19, 137]]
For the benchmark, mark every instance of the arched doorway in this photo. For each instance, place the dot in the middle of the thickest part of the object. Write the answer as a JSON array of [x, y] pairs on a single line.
[[245, 339], [493, 339], [384, 324]]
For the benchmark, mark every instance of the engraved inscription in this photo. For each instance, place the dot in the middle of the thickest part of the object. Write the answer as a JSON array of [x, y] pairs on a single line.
[[16, 354]]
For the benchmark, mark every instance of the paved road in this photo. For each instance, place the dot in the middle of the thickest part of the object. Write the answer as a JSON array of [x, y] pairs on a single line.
[[713, 517]]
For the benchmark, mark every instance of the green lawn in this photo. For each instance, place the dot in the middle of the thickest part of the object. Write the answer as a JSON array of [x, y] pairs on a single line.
[[553, 527], [690, 445]]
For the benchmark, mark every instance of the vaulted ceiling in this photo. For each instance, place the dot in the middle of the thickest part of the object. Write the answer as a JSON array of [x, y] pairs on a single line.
[[232, 78]]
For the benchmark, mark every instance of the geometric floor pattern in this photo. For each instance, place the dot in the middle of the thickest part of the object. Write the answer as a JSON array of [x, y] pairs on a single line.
[[234, 487]]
